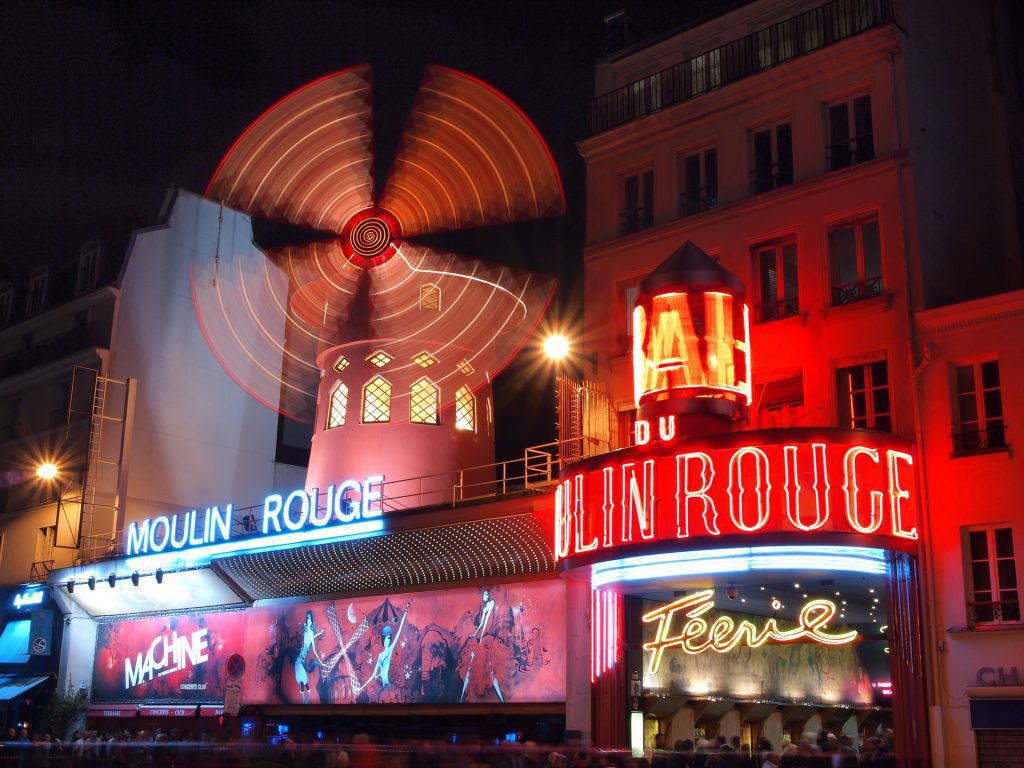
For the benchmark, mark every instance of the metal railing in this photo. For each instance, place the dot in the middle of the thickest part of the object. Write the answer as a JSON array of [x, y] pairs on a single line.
[[994, 612], [777, 310], [770, 177], [848, 293], [698, 200], [636, 219], [759, 51], [980, 440], [55, 347], [536, 470], [858, 149], [40, 570]]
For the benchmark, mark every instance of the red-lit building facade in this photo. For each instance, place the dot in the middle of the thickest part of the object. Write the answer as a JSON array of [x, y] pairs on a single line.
[[832, 159]]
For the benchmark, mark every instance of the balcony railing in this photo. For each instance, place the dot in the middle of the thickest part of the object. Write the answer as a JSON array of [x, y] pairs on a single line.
[[980, 440], [770, 177], [859, 149], [697, 201], [636, 219], [762, 50], [1004, 612], [859, 290], [777, 310]]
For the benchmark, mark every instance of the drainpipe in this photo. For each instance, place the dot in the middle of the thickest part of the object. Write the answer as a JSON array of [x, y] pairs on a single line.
[[932, 639]]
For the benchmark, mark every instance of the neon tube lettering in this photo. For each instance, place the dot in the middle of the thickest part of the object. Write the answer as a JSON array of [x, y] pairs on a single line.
[[686, 492], [155, 546], [667, 427], [697, 635], [346, 510], [794, 489], [738, 493], [563, 522], [637, 502], [608, 506], [370, 496], [271, 512], [642, 432], [177, 543], [579, 515], [315, 519], [138, 537], [897, 494], [851, 489]]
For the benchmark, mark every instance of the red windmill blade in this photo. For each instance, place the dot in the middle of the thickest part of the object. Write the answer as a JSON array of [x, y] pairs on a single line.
[[356, 291]]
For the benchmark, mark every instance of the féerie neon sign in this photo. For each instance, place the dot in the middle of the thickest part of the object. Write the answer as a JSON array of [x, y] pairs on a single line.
[[340, 507], [697, 634], [777, 481]]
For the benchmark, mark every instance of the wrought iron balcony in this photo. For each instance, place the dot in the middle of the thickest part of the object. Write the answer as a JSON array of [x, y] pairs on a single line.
[[697, 201], [777, 310], [762, 50], [859, 290], [56, 347], [858, 149], [770, 177], [980, 440], [1004, 612], [636, 219]]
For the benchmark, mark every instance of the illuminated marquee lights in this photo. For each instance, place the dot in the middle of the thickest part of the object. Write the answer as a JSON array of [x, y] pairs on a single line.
[[697, 635], [605, 615], [721, 485], [285, 520]]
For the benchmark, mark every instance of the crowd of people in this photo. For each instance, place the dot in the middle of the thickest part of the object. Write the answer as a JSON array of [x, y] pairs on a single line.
[[161, 748]]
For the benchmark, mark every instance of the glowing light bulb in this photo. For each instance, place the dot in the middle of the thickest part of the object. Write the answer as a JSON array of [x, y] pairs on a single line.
[[47, 471], [556, 347]]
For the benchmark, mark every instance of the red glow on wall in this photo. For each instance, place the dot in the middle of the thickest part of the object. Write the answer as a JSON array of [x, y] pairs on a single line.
[[806, 482]]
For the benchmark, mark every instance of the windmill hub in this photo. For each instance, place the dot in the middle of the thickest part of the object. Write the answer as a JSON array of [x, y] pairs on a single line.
[[370, 236]]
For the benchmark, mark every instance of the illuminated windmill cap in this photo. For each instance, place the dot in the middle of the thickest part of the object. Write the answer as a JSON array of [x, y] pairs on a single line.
[[691, 351], [370, 237]]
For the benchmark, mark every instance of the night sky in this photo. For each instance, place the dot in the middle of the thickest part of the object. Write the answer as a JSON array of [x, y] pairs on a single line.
[[105, 105]]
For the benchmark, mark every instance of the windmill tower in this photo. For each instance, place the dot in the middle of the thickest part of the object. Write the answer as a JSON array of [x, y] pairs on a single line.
[[386, 344]]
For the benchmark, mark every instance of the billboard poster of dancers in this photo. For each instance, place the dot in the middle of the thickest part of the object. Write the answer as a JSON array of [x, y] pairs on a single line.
[[491, 644]]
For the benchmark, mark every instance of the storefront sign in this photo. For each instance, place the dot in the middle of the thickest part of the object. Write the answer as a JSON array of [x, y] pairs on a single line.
[[669, 488], [696, 634], [340, 506], [998, 676], [29, 599]]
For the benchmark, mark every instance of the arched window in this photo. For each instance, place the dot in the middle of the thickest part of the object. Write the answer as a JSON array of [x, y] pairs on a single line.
[[336, 408], [423, 402], [377, 401], [465, 410]]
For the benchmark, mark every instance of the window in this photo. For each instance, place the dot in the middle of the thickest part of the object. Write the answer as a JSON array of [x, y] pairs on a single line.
[[337, 406], [377, 401], [6, 302], [778, 294], [88, 263], [855, 254], [424, 359], [465, 410], [781, 404], [341, 364], [430, 297], [36, 292], [637, 203], [864, 396], [379, 359], [850, 137], [698, 174], [706, 71], [774, 44], [773, 159], [992, 587], [423, 402], [979, 408]]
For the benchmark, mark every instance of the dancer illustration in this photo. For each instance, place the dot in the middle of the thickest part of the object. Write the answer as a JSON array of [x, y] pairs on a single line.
[[302, 667], [477, 655], [388, 639]]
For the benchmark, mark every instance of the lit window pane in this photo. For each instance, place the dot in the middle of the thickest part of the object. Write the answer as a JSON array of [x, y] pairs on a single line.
[[377, 401], [338, 404], [465, 410], [423, 402]]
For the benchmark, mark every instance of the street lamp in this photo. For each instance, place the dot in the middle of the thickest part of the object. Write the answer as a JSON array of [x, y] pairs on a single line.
[[556, 347], [47, 471]]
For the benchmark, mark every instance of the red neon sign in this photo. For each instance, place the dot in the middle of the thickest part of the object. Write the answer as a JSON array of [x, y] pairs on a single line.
[[809, 482]]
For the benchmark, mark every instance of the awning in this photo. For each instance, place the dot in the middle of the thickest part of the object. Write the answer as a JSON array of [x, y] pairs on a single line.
[[997, 714], [14, 642], [12, 687]]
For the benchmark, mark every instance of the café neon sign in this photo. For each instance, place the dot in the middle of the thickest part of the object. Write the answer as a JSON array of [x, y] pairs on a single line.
[[350, 507], [668, 488], [697, 634]]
